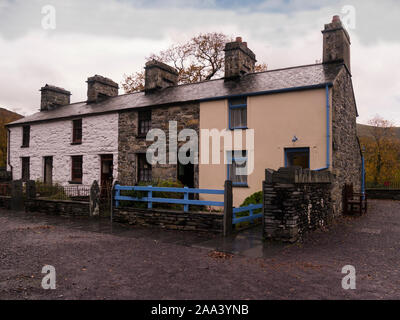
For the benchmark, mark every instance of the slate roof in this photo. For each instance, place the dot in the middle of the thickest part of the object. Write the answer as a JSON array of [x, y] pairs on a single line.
[[273, 80]]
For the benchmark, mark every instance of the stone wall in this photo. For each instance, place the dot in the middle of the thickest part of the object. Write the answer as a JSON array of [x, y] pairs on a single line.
[[5, 202], [346, 155], [295, 201], [57, 207], [54, 138], [174, 220], [5, 175], [187, 117]]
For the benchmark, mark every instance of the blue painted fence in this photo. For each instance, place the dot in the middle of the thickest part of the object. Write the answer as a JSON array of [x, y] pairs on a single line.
[[186, 202], [150, 199], [251, 217]]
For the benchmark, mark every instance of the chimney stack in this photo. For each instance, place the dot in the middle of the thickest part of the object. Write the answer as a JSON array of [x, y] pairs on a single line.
[[101, 88], [53, 97], [239, 59], [159, 75], [336, 43]]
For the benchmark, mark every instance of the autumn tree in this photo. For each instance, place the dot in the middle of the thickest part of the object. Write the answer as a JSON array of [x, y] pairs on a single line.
[[382, 150], [200, 59], [5, 117]]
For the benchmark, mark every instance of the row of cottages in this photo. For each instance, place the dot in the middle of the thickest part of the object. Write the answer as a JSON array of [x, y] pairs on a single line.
[[304, 116]]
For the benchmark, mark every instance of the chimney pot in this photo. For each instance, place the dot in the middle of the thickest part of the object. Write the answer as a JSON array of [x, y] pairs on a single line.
[[53, 97], [101, 88], [337, 43], [159, 75], [239, 59]]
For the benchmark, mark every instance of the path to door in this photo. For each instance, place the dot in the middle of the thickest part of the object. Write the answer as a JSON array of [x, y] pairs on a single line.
[[94, 261]]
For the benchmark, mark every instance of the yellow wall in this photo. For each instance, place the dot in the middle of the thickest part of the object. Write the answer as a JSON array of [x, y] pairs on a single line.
[[275, 118]]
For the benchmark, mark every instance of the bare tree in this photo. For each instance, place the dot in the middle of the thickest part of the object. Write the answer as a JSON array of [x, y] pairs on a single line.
[[200, 59]]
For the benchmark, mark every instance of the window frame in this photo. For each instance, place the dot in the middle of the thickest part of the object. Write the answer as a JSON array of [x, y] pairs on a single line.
[[25, 177], [141, 158], [142, 118], [75, 180], [231, 159], [237, 106], [26, 136], [74, 130]]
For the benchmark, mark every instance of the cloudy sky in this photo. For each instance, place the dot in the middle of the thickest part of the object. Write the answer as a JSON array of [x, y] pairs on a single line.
[[113, 37]]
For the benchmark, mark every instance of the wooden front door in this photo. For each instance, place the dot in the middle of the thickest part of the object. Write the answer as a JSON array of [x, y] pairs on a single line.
[[106, 173], [48, 170]]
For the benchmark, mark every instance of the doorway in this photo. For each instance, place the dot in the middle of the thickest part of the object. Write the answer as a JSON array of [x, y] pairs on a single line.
[[299, 157], [48, 170], [106, 173]]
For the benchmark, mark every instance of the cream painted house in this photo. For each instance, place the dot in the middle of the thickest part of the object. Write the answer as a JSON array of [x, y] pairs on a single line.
[[304, 116]]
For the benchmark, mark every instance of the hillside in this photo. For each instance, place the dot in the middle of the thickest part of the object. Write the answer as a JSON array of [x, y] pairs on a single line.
[[6, 116], [363, 130]]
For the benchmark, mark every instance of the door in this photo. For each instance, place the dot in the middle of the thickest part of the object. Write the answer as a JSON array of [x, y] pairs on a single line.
[[299, 157], [106, 173], [48, 170]]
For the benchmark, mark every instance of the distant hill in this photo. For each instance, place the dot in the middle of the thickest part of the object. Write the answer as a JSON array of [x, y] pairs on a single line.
[[364, 130], [6, 116]]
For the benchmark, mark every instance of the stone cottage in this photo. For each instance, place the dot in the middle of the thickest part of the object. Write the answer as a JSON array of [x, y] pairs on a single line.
[[301, 116]]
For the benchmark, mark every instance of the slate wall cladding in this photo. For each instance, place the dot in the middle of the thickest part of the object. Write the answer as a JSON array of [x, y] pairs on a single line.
[[295, 201], [129, 144], [174, 220], [346, 156]]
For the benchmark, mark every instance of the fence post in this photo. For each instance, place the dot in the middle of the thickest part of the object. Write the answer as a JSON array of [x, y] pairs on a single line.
[[94, 199], [228, 208], [150, 195], [186, 197], [17, 202], [112, 199]]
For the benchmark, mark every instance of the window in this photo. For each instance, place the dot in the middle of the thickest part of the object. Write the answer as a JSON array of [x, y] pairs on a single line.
[[237, 168], [76, 176], [238, 113], [144, 168], [77, 131], [25, 175], [299, 157], [144, 123], [26, 133]]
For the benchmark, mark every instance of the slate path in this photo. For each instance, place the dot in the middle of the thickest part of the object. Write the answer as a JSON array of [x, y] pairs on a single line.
[[93, 261]]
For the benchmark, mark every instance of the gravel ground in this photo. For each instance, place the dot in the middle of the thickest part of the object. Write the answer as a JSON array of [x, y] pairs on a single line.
[[93, 265]]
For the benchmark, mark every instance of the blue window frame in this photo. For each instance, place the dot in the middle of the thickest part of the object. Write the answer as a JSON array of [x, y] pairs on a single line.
[[297, 157], [237, 161], [238, 113]]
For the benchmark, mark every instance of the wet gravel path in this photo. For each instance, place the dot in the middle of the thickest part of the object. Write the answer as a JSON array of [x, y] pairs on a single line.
[[131, 263]]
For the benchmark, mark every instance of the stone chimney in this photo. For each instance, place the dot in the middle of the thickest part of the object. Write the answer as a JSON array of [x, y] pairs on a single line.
[[159, 75], [100, 89], [336, 43], [53, 97], [239, 59]]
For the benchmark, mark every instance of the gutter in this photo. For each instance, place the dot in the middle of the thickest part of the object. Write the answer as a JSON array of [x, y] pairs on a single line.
[[328, 132], [8, 151]]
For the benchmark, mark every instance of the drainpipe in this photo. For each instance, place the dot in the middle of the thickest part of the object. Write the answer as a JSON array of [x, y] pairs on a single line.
[[363, 177], [328, 132], [8, 151]]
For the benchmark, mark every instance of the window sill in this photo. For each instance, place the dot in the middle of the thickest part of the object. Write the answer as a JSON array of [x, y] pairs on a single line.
[[240, 185], [74, 182], [24, 147], [75, 143], [239, 128]]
